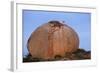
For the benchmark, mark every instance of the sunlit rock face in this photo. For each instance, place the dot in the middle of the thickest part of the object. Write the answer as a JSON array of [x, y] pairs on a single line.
[[52, 39]]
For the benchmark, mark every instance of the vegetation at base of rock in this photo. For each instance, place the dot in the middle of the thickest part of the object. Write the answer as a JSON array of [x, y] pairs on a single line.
[[80, 54]]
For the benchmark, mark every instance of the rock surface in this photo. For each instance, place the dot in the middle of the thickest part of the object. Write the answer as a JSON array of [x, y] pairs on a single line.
[[51, 40]]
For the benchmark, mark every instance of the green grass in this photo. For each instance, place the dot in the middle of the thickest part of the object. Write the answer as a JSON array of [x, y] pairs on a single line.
[[80, 54]]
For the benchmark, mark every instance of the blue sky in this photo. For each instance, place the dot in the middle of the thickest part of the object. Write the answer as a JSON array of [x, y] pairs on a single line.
[[80, 22]]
